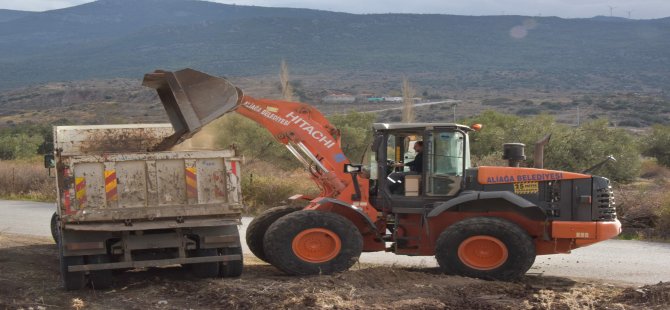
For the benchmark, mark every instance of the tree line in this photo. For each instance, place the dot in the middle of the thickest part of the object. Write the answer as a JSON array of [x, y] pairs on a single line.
[[570, 149]]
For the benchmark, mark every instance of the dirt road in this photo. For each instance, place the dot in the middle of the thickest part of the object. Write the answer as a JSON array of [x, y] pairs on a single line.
[[617, 261], [29, 279]]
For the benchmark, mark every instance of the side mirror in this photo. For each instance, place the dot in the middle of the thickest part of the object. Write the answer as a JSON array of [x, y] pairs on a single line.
[[351, 168], [49, 161]]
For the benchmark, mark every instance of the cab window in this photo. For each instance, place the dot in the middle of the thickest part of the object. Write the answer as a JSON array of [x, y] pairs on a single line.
[[445, 153]]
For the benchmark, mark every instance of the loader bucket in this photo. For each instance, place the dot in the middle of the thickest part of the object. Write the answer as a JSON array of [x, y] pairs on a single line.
[[192, 99]]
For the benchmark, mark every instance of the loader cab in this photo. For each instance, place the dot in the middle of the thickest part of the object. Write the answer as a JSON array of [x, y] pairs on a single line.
[[445, 157]]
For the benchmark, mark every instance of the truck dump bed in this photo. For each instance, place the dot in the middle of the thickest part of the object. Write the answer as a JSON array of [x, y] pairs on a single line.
[[107, 174]]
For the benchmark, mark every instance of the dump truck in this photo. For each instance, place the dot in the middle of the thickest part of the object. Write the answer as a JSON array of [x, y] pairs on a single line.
[[122, 204], [486, 222]]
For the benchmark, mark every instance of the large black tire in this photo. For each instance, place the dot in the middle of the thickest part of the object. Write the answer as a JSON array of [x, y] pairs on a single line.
[[231, 269], [334, 240], [485, 247], [259, 225], [100, 279], [71, 280], [55, 226], [206, 270]]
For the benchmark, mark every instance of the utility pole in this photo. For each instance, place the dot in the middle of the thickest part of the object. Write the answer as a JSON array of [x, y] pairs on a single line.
[[454, 106], [578, 116], [611, 9], [408, 92]]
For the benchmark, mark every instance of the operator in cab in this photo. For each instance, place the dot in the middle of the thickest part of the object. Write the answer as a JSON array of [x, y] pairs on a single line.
[[415, 167], [417, 164]]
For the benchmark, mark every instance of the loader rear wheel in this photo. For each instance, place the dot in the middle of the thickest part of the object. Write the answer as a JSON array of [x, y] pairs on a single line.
[[313, 242], [231, 269], [259, 225], [485, 247]]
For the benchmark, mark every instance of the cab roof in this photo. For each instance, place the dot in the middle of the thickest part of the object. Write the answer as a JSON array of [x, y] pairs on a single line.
[[418, 126]]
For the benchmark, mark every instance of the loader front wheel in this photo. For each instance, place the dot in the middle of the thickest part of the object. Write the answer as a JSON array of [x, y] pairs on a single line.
[[485, 247], [313, 242], [260, 224]]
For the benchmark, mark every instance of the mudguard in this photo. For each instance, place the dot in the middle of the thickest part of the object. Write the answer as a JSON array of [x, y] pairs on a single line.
[[478, 201], [354, 214]]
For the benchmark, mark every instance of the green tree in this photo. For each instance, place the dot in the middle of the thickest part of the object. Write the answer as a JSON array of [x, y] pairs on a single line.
[[577, 149], [657, 144], [21, 145], [356, 130], [570, 149], [256, 143]]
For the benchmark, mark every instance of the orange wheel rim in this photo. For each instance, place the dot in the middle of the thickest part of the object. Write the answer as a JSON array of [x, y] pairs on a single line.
[[482, 252], [316, 245]]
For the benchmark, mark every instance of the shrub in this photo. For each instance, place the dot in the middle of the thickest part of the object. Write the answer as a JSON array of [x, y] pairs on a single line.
[[657, 144], [265, 186], [26, 180], [570, 149]]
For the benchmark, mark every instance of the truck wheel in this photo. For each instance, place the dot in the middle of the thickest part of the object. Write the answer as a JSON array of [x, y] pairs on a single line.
[[206, 270], [55, 226], [99, 279], [313, 242], [485, 247], [259, 225], [71, 280], [231, 269]]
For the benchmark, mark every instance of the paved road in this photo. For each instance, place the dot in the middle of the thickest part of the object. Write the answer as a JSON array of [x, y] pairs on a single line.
[[24, 217], [616, 261], [416, 105]]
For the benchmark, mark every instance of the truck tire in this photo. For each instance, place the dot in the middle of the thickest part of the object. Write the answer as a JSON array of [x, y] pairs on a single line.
[[55, 226], [313, 242], [259, 225], [231, 269], [71, 280], [485, 247], [206, 270], [99, 279]]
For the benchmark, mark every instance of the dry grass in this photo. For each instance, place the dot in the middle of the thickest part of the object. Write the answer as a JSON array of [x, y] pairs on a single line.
[[265, 186], [652, 170], [26, 180]]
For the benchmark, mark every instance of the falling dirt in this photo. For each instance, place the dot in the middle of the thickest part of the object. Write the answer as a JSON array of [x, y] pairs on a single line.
[[29, 278]]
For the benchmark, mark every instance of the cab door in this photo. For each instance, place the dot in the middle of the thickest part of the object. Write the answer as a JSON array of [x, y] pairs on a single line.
[[446, 159]]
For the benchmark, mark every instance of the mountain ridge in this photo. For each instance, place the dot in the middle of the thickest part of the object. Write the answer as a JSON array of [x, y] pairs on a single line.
[[122, 38]]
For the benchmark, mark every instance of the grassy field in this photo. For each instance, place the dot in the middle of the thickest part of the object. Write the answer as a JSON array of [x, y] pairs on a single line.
[[26, 180]]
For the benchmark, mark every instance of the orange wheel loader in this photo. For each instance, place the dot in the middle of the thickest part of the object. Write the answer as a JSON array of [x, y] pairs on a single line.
[[484, 222]]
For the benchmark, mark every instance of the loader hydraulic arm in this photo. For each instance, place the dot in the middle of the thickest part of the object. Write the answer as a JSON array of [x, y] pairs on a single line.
[[307, 134], [192, 99]]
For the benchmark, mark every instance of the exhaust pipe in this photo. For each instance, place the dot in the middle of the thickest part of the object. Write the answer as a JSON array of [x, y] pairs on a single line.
[[514, 153], [538, 155]]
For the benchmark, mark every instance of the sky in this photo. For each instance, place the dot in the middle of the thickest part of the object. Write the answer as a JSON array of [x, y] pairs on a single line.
[[637, 9]]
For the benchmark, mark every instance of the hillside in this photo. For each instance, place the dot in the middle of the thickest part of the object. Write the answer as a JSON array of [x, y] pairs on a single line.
[[117, 101], [8, 15], [124, 38]]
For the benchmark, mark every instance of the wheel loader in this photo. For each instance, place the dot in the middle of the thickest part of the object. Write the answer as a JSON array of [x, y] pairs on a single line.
[[485, 222]]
